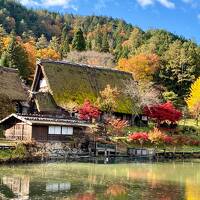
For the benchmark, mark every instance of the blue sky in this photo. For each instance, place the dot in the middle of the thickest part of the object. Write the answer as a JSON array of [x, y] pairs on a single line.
[[181, 17]]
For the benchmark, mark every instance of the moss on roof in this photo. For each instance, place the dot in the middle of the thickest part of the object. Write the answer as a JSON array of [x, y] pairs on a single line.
[[76, 82], [11, 85], [45, 102]]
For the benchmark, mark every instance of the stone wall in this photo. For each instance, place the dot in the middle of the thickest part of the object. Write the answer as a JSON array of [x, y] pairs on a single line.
[[53, 150]]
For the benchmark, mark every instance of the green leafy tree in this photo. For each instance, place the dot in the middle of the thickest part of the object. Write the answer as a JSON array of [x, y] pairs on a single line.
[[181, 65], [42, 42], [78, 42], [54, 43], [171, 96]]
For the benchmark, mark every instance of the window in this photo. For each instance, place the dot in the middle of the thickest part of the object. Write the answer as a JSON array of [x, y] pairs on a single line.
[[67, 130], [58, 130], [54, 130], [43, 83]]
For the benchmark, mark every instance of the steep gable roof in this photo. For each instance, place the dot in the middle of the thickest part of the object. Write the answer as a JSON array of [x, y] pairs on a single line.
[[11, 85], [76, 82]]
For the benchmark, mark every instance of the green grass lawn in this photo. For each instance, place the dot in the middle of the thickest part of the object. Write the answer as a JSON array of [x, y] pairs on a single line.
[[133, 129], [189, 122], [7, 142]]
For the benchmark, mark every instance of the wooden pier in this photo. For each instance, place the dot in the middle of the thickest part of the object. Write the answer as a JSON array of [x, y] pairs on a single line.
[[177, 155]]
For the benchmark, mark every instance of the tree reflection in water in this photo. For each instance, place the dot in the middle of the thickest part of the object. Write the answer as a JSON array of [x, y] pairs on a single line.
[[157, 181]]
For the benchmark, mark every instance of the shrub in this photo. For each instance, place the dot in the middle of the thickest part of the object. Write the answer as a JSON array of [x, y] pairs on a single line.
[[20, 151], [168, 139], [116, 127], [156, 136], [189, 129], [140, 137]]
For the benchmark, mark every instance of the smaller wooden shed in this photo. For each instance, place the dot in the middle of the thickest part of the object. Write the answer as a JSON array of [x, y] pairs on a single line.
[[42, 128]]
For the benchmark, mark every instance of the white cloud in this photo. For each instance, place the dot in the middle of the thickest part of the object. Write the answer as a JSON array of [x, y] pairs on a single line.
[[48, 3], [165, 3], [29, 2], [52, 3], [144, 3]]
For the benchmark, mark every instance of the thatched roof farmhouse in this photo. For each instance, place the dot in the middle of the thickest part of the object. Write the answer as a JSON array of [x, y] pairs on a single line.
[[57, 83]]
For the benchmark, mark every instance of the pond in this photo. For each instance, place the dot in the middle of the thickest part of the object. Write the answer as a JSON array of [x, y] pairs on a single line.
[[84, 181]]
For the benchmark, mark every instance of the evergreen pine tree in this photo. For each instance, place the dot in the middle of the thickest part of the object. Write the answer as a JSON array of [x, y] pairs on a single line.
[[8, 57], [78, 42], [2, 31], [89, 44], [4, 60], [16, 57], [105, 44], [64, 47], [42, 42], [98, 42]]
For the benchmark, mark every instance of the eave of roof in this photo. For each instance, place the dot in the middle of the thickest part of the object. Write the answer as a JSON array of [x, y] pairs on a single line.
[[46, 120]]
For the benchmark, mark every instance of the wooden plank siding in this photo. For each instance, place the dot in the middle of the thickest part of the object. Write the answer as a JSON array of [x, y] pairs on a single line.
[[18, 131]]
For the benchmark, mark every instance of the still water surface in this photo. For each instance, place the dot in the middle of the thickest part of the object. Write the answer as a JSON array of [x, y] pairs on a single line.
[[79, 181]]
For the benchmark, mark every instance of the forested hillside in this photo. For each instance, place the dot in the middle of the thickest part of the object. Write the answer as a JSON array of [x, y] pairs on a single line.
[[166, 59]]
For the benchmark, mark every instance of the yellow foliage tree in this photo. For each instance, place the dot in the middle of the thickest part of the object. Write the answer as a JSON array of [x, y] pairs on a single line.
[[108, 98], [6, 41], [193, 100], [48, 53], [142, 66]]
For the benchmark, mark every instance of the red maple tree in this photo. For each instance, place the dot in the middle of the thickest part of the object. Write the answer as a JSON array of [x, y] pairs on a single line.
[[88, 111], [163, 112]]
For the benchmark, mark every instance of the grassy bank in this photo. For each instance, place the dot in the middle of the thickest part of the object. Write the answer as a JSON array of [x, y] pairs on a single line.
[[5, 154]]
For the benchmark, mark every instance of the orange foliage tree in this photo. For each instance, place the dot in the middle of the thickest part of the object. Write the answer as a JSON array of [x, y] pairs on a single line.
[[142, 66], [31, 51], [116, 126], [48, 53]]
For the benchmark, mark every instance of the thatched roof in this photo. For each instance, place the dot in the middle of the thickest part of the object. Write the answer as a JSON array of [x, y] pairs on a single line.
[[77, 82], [45, 102], [11, 85]]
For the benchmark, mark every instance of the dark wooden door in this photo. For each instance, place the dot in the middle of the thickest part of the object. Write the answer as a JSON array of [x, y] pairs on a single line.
[[40, 133]]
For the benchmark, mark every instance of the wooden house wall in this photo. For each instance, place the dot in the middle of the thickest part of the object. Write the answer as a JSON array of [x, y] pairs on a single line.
[[40, 133], [18, 131]]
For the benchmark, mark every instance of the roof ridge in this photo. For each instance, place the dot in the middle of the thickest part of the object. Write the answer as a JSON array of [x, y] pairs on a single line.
[[8, 69], [93, 67]]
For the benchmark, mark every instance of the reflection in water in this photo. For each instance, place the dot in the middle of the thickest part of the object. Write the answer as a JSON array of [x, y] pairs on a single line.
[[75, 181], [19, 186], [56, 187]]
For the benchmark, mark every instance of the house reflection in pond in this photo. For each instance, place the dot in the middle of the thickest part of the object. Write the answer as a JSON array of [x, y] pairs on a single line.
[[22, 188], [18, 185], [56, 187]]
